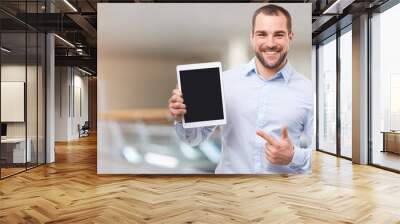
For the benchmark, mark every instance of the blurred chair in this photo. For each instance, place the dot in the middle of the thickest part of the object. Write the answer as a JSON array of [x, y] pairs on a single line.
[[84, 130]]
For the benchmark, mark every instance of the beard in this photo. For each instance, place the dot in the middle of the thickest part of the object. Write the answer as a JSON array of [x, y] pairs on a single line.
[[266, 64]]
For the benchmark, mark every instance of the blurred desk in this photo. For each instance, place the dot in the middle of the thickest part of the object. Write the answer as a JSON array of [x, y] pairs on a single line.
[[15, 148], [391, 141], [143, 141], [147, 115]]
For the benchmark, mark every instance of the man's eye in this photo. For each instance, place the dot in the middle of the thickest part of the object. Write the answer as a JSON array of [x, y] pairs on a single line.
[[261, 35]]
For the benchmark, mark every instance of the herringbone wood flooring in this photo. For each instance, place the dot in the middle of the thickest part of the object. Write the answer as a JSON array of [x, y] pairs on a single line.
[[70, 191]]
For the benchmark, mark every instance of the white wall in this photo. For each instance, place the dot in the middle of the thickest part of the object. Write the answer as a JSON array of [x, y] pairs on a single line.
[[33, 126], [79, 117], [67, 81], [300, 59], [237, 52], [15, 72], [61, 103]]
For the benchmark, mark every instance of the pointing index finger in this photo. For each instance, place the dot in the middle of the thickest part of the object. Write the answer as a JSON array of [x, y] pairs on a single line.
[[267, 138], [285, 132]]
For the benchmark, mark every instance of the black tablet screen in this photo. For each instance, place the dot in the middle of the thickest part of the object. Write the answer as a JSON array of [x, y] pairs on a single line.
[[202, 95]]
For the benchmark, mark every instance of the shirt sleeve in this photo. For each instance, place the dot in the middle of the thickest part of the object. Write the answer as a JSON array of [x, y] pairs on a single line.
[[301, 161], [193, 136]]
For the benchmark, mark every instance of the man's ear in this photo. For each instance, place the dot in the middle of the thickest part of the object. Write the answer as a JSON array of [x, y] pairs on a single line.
[[291, 35]]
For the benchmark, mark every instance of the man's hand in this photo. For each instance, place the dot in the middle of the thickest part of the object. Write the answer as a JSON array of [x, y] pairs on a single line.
[[278, 153], [176, 106]]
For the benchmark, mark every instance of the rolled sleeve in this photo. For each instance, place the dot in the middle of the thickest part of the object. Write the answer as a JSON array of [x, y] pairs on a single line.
[[193, 136], [301, 161], [299, 157]]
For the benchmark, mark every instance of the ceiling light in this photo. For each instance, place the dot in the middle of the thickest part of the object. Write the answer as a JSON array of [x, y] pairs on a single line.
[[5, 50], [70, 5], [64, 40], [79, 51], [337, 7], [84, 71]]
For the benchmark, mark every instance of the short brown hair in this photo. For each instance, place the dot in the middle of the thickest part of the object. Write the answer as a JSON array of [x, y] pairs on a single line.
[[273, 10]]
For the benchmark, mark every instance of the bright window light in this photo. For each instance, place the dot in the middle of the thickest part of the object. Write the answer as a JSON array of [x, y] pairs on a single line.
[[161, 160]]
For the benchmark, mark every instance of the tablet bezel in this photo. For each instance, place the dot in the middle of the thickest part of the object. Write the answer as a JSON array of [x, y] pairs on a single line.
[[203, 66]]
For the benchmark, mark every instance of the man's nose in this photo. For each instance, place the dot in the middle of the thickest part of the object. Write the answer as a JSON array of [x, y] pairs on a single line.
[[270, 42]]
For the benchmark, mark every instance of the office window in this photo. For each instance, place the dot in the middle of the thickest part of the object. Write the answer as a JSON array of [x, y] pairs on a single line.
[[22, 91], [385, 85], [327, 96], [13, 147], [346, 93]]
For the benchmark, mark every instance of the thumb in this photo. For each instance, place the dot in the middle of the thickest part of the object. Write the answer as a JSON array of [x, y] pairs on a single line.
[[285, 133]]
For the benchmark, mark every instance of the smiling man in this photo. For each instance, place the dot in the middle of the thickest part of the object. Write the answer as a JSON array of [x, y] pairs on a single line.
[[268, 105]]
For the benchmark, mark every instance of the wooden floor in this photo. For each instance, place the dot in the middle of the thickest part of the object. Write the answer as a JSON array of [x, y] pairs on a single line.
[[387, 159], [10, 171], [70, 191]]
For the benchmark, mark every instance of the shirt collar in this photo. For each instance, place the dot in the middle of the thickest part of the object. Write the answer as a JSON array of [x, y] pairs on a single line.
[[285, 72]]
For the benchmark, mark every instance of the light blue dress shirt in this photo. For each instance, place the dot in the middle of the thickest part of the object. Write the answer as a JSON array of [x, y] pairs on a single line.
[[253, 103]]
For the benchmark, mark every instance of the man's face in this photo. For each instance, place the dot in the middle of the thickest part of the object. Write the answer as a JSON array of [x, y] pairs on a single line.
[[271, 40]]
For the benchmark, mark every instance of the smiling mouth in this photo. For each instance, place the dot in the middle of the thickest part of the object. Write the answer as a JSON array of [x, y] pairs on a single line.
[[270, 53]]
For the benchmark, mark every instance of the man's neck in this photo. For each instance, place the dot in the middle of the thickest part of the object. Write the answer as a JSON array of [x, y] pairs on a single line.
[[267, 73]]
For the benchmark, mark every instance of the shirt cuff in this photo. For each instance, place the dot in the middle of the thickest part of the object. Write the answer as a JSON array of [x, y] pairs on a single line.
[[177, 122], [299, 157]]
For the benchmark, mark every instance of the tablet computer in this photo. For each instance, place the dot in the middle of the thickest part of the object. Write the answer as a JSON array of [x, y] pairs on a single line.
[[202, 91]]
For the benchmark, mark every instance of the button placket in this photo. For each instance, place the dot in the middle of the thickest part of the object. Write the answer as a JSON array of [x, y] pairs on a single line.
[[261, 122]]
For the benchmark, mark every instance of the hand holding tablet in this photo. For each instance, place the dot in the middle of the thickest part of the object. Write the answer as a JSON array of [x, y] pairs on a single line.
[[199, 101], [176, 106]]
